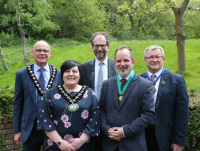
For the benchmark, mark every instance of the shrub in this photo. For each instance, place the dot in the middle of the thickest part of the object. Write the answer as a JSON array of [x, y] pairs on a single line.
[[193, 134], [7, 40], [6, 100]]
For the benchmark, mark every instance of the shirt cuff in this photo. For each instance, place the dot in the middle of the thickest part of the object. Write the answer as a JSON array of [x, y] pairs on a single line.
[[123, 131]]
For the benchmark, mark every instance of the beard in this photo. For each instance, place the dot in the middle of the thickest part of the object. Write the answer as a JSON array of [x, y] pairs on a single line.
[[124, 74], [102, 51]]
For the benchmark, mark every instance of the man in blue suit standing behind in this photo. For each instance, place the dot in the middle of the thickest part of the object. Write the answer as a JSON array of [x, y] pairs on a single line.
[[31, 83], [127, 107], [168, 130]]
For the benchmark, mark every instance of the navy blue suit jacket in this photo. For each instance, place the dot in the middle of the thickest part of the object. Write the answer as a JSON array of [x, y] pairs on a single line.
[[135, 112], [172, 110], [24, 107]]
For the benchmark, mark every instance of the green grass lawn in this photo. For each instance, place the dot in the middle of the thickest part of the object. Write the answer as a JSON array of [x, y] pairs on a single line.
[[83, 53]]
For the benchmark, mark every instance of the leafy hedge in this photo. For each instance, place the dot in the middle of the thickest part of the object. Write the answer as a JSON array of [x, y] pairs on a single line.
[[193, 135], [7, 95]]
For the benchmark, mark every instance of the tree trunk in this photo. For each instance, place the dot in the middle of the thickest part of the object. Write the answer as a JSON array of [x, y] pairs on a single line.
[[180, 35], [24, 45], [3, 61], [132, 21]]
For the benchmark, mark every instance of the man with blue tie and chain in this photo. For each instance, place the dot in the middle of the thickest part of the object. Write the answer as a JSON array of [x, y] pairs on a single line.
[[168, 130], [31, 83]]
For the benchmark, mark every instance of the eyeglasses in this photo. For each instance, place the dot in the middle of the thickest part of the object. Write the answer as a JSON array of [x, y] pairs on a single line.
[[152, 58], [40, 51], [97, 46]]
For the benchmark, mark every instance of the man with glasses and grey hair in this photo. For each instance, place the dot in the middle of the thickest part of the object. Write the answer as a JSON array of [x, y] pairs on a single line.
[[97, 70], [30, 85], [168, 130]]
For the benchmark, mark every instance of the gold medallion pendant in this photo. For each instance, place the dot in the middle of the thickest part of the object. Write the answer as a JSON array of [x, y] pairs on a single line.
[[73, 107], [120, 97]]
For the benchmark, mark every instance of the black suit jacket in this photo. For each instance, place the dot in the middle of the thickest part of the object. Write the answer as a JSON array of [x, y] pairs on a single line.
[[172, 110], [88, 72]]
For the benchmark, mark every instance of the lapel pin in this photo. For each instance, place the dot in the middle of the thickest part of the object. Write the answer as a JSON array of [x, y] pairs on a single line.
[[163, 82], [92, 73]]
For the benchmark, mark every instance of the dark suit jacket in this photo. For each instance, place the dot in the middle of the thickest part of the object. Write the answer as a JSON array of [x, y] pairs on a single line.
[[88, 72], [172, 110], [135, 113], [24, 107]]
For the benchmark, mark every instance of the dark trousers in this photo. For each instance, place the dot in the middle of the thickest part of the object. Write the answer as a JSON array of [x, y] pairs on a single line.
[[117, 149], [35, 139], [150, 135], [98, 142], [151, 140]]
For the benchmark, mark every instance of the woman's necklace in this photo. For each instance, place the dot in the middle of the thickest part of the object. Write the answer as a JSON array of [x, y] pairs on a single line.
[[72, 99]]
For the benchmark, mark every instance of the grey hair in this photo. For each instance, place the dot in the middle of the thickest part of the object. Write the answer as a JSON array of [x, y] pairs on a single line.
[[153, 47], [125, 47], [100, 33], [43, 41]]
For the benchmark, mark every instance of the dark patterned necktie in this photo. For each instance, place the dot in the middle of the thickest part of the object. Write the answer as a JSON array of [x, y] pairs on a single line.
[[123, 82], [153, 76], [42, 84]]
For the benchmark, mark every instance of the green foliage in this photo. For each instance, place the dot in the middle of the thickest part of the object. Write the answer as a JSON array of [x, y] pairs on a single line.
[[6, 100], [81, 39], [80, 18], [193, 135], [2, 145], [6, 40]]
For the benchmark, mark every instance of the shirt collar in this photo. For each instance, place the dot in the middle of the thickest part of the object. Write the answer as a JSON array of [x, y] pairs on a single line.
[[104, 62], [127, 77], [36, 67], [157, 73]]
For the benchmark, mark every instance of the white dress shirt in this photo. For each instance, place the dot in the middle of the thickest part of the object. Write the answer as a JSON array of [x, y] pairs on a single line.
[[105, 72]]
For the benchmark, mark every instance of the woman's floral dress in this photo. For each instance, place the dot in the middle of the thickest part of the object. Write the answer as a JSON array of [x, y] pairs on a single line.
[[54, 115]]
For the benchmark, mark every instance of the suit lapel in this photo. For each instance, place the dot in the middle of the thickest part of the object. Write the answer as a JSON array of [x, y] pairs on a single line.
[[128, 90], [92, 67], [50, 69], [161, 88], [110, 64], [115, 92], [31, 85]]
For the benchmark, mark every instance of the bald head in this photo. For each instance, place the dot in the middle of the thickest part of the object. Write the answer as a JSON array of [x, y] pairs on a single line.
[[41, 42]]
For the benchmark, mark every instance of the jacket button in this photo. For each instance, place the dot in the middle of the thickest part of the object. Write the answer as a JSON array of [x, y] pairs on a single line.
[[117, 113]]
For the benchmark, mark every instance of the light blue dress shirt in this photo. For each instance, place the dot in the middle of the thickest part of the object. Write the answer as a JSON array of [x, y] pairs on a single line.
[[46, 74]]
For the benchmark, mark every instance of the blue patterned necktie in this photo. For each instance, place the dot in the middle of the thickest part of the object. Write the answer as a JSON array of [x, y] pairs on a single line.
[[42, 84]]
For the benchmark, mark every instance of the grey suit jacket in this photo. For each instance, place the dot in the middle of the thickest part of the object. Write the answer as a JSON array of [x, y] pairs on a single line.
[[24, 107], [135, 112], [88, 72]]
